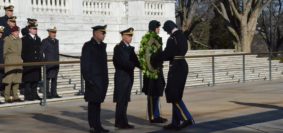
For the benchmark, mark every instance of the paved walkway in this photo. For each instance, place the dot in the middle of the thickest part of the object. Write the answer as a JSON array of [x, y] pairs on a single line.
[[251, 107]]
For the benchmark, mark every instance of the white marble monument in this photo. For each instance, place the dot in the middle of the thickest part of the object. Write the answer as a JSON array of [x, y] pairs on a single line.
[[74, 18]]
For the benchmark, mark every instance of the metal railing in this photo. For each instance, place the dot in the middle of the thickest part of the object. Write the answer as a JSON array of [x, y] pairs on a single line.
[[81, 91], [243, 62]]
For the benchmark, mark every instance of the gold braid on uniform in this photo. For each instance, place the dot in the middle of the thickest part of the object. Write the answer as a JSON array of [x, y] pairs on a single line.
[[151, 43]]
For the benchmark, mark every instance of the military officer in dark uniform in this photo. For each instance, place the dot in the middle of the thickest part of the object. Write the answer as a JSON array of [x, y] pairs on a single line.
[[11, 23], [31, 52], [174, 52], [9, 12], [50, 50], [25, 31], [95, 73], [1, 58], [125, 60]]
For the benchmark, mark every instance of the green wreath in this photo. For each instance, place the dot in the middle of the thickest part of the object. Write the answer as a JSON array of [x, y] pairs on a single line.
[[151, 43]]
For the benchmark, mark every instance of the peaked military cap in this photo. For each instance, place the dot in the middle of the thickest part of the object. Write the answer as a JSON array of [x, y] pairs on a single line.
[[129, 31], [12, 19], [2, 29], [54, 29], [32, 26], [9, 8], [169, 25], [31, 20], [99, 28]]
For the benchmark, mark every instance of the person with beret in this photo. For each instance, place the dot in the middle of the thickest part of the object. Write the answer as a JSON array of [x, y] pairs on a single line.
[[11, 23], [125, 60], [9, 12], [1, 58], [174, 52], [31, 52], [13, 74], [153, 79], [95, 73], [25, 31], [50, 50]]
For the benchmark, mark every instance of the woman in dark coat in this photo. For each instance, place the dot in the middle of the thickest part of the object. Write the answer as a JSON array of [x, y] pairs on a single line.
[[31, 52], [153, 79], [174, 52]]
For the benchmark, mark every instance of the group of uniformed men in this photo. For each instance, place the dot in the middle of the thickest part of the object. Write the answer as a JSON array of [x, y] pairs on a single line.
[[95, 73], [29, 48], [94, 67]]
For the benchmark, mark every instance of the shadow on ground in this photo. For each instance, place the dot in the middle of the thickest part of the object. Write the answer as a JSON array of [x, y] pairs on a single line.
[[240, 121]]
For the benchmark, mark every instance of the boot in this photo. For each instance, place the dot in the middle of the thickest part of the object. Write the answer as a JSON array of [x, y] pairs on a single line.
[[27, 94], [54, 93]]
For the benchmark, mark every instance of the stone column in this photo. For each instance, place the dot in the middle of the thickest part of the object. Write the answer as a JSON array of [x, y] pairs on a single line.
[[136, 18], [169, 6], [76, 7]]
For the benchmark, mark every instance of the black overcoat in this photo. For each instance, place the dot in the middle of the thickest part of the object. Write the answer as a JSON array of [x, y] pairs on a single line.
[[31, 52], [176, 46], [50, 50], [95, 71], [125, 60]]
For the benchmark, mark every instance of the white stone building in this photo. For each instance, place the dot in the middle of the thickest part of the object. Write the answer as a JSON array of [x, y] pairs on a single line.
[[74, 18]]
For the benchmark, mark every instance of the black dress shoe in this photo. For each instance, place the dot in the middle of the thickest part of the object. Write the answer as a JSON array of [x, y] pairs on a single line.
[[56, 96], [9, 101], [48, 96], [158, 120], [128, 126], [187, 124], [171, 127], [37, 98], [94, 131], [18, 100], [103, 130], [28, 98], [124, 126]]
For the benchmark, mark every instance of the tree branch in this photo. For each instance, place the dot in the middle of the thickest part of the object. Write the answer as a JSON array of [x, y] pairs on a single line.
[[235, 10]]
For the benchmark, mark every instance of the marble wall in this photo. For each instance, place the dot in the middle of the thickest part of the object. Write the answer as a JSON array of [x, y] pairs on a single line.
[[74, 18]]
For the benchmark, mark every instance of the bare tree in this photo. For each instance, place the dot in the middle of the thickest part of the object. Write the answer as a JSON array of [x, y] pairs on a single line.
[[241, 17], [191, 13], [270, 25]]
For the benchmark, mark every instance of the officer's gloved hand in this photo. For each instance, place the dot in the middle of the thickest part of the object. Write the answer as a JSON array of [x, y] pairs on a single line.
[[154, 60]]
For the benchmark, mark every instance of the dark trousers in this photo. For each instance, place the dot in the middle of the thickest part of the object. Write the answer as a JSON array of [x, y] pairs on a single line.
[[53, 89], [180, 113], [121, 112], [153, 107], [30, 91], [94, 115], [2, 86]]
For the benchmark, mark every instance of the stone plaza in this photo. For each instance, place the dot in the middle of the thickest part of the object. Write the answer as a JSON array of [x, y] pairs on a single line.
[[255, 107]]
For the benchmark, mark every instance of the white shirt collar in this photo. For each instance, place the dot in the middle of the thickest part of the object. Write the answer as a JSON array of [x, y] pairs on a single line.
[[174, 30], [33, 36], [127, 44]]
